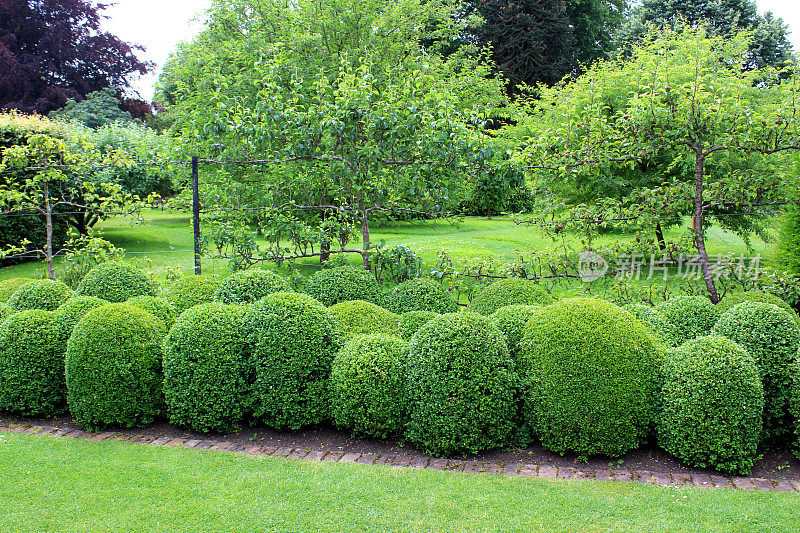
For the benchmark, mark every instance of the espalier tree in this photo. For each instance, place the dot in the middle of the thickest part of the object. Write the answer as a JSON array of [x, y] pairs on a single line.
[[683, 99]]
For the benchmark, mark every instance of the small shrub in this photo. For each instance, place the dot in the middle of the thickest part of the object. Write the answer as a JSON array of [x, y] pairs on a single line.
[[204, 357], [420, 294], [5, 311], [113, 367], [772, 338], [411, 321], [158, 307], [367, 380], [293, 339], [343, 284], [10, 286], [71, 312], [589, 372], [116, 282], [692, 316], [735, 299], [512, 320], [248, 286], [31, 365], [43, 294], [509, 291], [656, 321], [461, 386], [190, 291], [711, 401], [360, 317]]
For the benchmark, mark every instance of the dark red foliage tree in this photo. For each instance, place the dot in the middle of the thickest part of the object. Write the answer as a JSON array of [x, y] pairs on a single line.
[[54, 50]]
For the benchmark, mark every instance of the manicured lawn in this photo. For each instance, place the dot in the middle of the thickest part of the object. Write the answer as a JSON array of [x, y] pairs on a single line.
[[56, 484]]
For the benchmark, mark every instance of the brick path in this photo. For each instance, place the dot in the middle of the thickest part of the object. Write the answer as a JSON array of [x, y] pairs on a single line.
[[450, 465]]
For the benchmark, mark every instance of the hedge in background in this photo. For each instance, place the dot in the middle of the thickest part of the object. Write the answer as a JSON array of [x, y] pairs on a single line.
[[10, 286], [31, 365], [589, 372], [509, 291], [367, 380], [420, 294], [756, 296], [411, 321], [204, 357], [692, 316], [512, 320], [293, 339], [342, 284], [116, 282], [656, 321], [248, 286], [43, 294], [711, 400], [113, 367], [190, 291], [158, 307], [71, 312], [360, 317], [771, 336], [461, 386]]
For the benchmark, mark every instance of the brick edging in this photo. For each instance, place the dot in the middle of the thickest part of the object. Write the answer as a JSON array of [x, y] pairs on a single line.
[[450, 465]]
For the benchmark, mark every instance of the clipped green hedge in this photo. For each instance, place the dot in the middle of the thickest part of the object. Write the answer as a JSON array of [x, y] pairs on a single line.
[[589, 372], [656, 321], [248, 286], [794, 405], [692, 316], [342, 284], [190, 291], [116, 282], [411, 321], [158, 307], [43, 294], [771, 336], [31, 365], [360, 317], [10, 286], [420, 294], [756, 296], [293, 339], [509, 291], [204, 364], [113, 367], [367, 386], [461, 386], [512, 320], [71, 312], [711, 403], [5, 311]]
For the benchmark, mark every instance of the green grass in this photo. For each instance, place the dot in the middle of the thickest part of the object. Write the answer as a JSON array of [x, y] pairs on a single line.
[[56, 484]]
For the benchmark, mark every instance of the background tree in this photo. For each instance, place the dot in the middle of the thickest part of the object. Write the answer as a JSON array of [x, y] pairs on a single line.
[[97, 109], [54, 50]]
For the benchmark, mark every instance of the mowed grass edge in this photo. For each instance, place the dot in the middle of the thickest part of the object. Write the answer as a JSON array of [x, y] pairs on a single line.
[[58, 484]]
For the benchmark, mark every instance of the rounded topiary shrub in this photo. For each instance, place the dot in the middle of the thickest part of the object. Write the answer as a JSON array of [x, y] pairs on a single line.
[[692, 316], [116, 282], [293, 339], [71, 312], [794, 404], [711, 403], [342, 284], [460, 386], [248, 286], [656, 321], [10, 286], [589, 372], [420, 294], [5, 311], [772, 338], [756, 296], [360, 317], [190, 291], [512, 320], [411, 321], [509, 291], [158, 307], [204, 358], [367, 380], [113, 367], [43, 294], [31, 365]]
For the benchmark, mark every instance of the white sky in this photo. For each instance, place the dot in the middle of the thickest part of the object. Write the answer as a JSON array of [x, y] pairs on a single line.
[[160, 25]]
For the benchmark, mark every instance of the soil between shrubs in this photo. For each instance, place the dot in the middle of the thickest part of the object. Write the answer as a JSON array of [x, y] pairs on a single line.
[[773, 464]]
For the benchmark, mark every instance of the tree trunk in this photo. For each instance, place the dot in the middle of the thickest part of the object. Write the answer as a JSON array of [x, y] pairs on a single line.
[[364, 230], [325, 245], [48, 223], [699, 236], [662, 245]]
